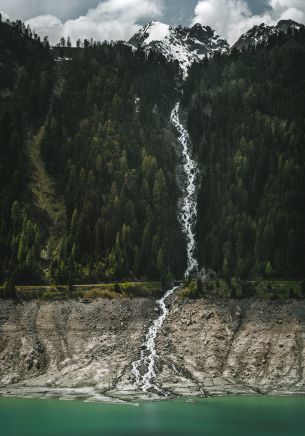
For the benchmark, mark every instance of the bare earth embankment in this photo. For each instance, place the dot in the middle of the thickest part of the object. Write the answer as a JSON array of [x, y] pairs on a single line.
[[69, 349]]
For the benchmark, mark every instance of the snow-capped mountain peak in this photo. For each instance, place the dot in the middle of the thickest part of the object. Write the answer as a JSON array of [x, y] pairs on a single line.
[[261, 33], [183, 44], [155, 31]]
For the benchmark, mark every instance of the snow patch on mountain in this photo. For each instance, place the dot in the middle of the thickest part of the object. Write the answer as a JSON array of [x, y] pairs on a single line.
[[183, 44], [193, 44], [158, 32]]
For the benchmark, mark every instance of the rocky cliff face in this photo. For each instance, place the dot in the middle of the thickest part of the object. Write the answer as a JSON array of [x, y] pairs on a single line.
[[75, 350]]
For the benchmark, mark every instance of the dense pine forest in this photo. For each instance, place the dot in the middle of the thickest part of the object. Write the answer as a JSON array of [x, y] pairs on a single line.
[[107, 143], [246, 116], [26, 71], [99, 113]]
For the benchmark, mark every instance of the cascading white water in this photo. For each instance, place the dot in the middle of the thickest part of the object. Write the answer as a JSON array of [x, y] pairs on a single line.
[[187, 218], [188, 203], [148, 355]]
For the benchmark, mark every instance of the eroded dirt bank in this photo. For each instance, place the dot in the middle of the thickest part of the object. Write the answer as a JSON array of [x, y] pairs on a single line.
[[74, 350]]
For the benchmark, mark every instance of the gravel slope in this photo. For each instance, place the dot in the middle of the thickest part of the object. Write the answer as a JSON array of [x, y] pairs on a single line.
[[69, 349]]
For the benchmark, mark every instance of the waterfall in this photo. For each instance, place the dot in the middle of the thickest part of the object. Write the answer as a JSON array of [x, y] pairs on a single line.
[[144, 369], [149, 355], [188, 202]]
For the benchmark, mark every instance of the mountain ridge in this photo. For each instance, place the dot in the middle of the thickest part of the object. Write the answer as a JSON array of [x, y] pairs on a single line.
[[183, 44], [261, 33], [188, 45]]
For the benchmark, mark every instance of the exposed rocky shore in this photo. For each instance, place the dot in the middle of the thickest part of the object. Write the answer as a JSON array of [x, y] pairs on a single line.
[[68, 349]]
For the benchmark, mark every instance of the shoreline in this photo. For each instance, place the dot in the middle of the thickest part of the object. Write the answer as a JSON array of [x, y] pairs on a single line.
[[91, 394], [82, 351]]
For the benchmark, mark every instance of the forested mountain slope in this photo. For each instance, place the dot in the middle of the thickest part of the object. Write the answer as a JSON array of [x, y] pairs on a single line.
[[246, 117], [108, 144], [102, 113], [99, 116], [26, 81]]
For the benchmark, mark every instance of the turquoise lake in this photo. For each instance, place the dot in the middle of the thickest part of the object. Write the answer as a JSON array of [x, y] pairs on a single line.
[[228, 416]]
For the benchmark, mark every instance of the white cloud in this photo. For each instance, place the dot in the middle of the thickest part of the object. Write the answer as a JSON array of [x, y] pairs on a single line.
[[64, 9], [4, 15], [47, 25], [231, 18], [110, 20], [119, 19]]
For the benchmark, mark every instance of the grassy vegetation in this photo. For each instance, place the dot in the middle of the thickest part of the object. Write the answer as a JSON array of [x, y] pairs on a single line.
[[87, 292], [264, 289], [233, 288]]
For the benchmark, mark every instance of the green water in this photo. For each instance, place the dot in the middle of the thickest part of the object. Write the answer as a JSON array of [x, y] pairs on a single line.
[[230, 416]]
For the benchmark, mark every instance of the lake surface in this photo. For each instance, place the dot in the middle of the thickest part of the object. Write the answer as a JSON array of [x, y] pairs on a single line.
[[228, 416]]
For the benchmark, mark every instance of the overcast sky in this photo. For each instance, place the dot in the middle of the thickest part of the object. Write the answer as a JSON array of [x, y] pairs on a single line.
[[119, 19]]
